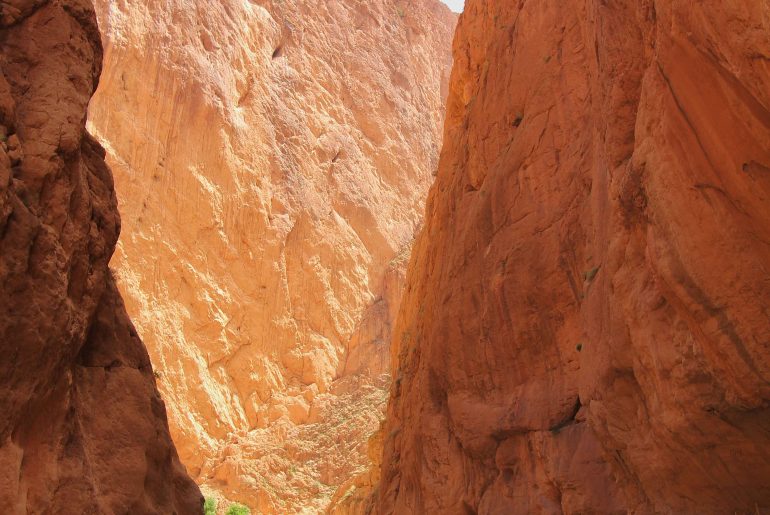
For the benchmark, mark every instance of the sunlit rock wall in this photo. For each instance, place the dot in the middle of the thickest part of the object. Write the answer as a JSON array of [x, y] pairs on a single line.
[[272, 160]]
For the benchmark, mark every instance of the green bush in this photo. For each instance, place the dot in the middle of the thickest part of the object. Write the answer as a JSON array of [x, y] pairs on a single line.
[[238, 509], [210, 506]]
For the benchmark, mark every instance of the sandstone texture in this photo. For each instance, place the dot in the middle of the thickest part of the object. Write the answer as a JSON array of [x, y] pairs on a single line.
[[355, 496], [586, 323], [273, 158], [83, 428]]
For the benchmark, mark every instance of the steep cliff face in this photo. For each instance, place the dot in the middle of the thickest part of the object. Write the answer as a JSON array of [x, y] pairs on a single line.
[[273, 158], [83, 428], [586, 327]]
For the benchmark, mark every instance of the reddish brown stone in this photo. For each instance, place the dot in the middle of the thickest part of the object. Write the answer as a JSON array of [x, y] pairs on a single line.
[[82, 426], [586, 327]]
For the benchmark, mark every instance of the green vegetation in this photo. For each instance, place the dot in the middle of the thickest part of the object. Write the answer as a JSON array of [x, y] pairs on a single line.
[[210, 506], [579, 347], [238, 509]]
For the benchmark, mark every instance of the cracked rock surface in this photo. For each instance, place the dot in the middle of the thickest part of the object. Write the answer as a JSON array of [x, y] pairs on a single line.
[[272, 159], [586, 323], [83, 428]]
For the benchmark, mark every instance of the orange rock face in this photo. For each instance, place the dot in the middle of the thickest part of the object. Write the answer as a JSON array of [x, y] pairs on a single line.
[[273, 158], [586, 327], [83, 428]]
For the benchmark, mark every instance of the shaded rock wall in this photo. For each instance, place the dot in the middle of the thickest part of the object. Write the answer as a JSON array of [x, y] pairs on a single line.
[[83, 428], [586, 325], [273, 160]]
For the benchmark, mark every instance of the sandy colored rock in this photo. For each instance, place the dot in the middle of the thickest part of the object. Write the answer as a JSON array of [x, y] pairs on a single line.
[[83, 428], [586, 326], [273, 160], [355, 496]]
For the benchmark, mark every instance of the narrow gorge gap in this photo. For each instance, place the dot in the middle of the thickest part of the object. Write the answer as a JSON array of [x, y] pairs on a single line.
[[562, 250]]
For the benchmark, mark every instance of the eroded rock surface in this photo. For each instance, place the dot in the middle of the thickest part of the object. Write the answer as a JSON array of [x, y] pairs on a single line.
[[273, 159], [83, 428], [586, 327]]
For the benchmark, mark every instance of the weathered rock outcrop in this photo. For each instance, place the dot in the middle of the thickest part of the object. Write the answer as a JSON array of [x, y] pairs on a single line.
[[586, 327], [273, 158], [83, 428], [355, 496]]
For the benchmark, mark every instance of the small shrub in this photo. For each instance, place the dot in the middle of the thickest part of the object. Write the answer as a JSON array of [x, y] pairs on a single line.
[[210, 506], [238, 509]]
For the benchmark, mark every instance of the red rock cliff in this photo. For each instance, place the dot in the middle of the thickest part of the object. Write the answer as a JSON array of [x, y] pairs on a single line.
[[586, 327], [83, 428]]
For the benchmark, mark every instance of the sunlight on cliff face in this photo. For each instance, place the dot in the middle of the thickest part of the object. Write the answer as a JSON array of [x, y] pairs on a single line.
[[272, 161]]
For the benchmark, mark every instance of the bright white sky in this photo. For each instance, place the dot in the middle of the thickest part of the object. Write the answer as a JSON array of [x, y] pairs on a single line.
[[455, 5]]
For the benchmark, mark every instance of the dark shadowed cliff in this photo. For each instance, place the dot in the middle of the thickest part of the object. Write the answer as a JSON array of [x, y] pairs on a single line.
[[83, 428]]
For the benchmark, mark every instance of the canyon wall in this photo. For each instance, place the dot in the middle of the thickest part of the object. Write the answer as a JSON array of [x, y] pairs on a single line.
[[83, 428], [586, 323], [272, 159]]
